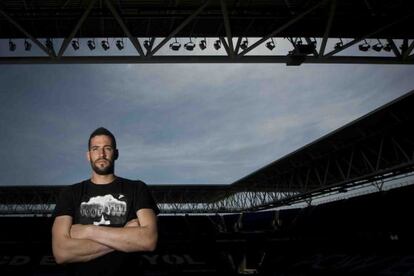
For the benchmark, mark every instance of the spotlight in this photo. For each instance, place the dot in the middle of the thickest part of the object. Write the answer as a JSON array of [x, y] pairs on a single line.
[[120, 44], [270, 44], [91, 44], [147, 45], [105, 45], [75, 45], [244, 44], [339, 44], [49, 44], [203, 44], [189, 46], [27, 45], [217, 44], [378, 47], [364, 46], [175, 46], [12, 46], [303, 49], [387, 47]]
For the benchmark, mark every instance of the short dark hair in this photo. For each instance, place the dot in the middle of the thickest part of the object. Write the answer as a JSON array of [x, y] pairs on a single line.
[[102, 131]]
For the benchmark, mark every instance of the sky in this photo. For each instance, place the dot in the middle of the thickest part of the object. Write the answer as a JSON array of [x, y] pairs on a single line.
[[178, 123]]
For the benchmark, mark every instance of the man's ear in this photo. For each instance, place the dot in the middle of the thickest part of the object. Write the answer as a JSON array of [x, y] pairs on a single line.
[[88, 157], [116, 154]]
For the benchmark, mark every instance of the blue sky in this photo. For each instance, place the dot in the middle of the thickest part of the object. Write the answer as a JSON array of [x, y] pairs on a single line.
[[178, 123]]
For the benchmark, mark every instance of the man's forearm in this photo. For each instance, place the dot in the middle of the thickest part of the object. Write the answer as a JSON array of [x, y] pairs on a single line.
[[127, 239], [78, 250]]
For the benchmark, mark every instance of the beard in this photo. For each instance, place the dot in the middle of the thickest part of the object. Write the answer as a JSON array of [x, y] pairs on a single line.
[[103, 170]]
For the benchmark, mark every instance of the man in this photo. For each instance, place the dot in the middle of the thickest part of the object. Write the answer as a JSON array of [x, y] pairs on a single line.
[[98, 221]]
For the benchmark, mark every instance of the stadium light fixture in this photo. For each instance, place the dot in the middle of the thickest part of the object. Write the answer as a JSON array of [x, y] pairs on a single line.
[[244, 44], [203, 44], [12, 46], [387, 47], [364, 46], [120, 44], [175, 46], [189, 46], [378, 46], [105, 44], [303, 49], [27, 45], [49, 44], [75, 45], [147, 44], [91, 44], [270, 44], [339, 44], [217, 44]]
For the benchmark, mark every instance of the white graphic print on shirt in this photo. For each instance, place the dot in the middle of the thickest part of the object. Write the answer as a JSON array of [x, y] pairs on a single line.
[[99, 207]]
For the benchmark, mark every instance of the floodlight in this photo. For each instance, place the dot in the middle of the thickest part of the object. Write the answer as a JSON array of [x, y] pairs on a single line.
[[378, 47], [49, 44], [203, 44], [304, 49], [91, 44], [75, 45], [147, 45], [217, 44], [27, 45], [339, 44], [387, 47], [120, 44], [12, 46], [244, 44], [270, 44], [189, 46], [175, 46], [105, 45], [364, 46]]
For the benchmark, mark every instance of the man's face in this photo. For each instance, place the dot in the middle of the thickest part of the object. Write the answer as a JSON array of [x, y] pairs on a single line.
[[101, 155]]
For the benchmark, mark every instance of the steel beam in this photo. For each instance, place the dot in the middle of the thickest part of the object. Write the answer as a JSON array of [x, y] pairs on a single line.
[[179, 28], [283, 27], [27, 34], [121, 23], [66, 42], [200, 59]]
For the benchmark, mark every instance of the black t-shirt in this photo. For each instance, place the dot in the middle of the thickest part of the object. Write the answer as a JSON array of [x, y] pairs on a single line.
[[111, 205]]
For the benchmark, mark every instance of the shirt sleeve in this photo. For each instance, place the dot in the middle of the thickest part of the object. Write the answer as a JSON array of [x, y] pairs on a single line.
[[64, 204], [144, 199]]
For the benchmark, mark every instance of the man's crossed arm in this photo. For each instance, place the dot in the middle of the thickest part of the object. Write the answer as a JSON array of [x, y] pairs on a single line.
[[81, 243]]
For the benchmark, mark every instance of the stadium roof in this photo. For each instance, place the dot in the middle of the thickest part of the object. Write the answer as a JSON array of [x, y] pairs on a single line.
[[353, 18], [371, 148], [227, 20]]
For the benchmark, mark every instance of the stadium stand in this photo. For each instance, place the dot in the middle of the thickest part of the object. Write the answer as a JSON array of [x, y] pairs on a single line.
[[370, 234]]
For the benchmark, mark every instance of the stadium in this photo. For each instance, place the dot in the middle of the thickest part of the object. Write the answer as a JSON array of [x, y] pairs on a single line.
[[338, 205]]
